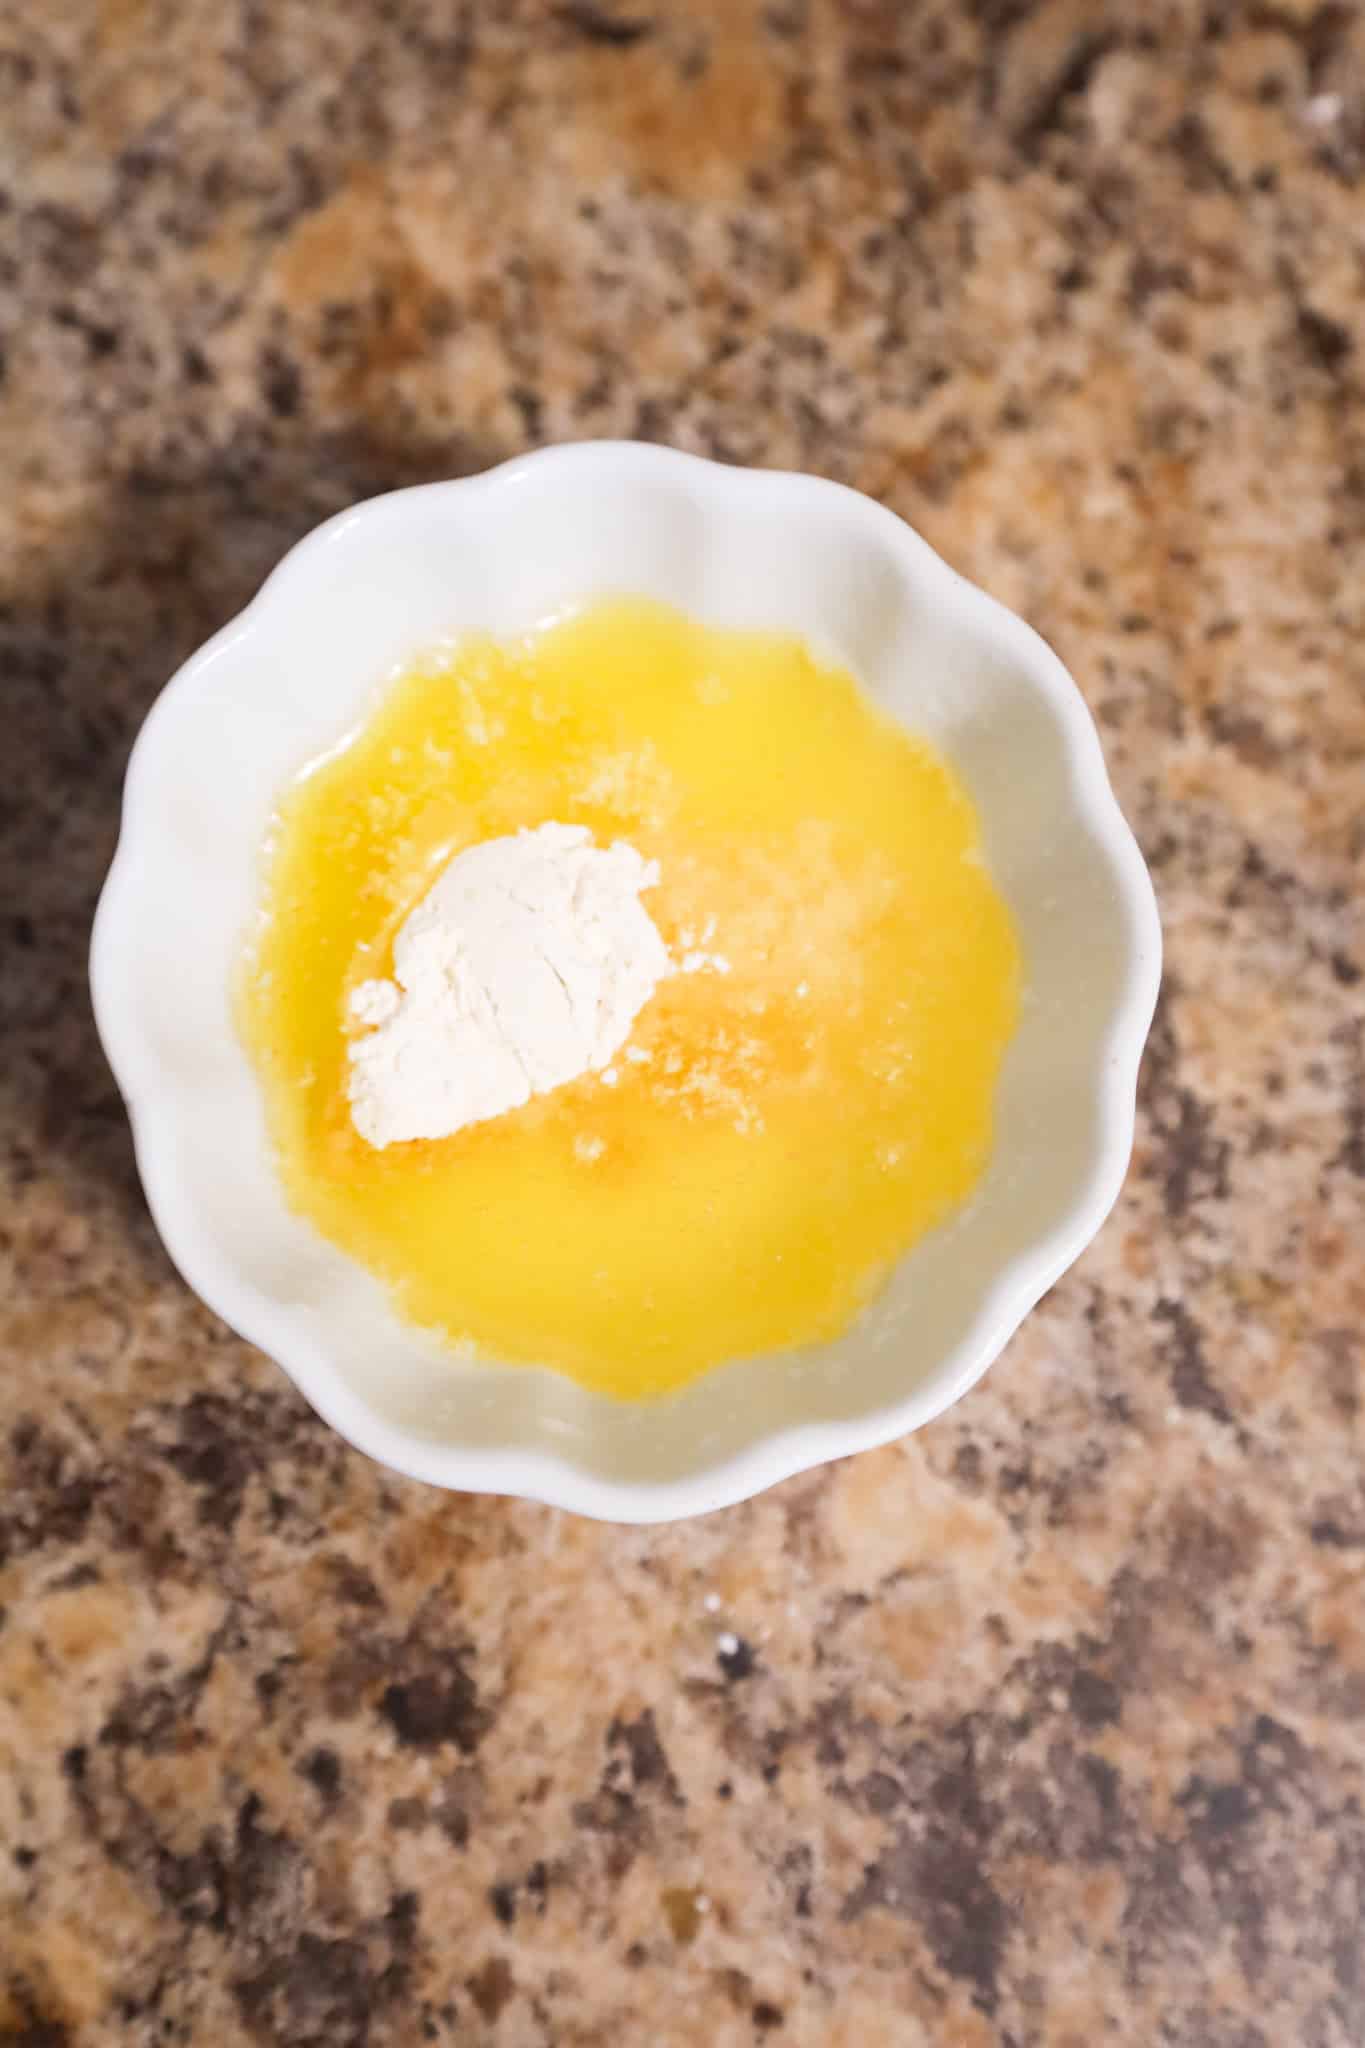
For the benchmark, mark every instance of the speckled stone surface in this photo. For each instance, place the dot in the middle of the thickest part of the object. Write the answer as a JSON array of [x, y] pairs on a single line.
[[1045, 1728]]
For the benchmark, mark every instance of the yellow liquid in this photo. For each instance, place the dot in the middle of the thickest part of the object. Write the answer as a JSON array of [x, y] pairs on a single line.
[[799, 1122]]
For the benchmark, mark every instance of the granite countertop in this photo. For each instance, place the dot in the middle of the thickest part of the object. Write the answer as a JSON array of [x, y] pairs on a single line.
[[1043, 1728]]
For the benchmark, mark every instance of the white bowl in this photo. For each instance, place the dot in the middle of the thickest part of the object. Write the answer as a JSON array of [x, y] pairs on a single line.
[[293, 673]]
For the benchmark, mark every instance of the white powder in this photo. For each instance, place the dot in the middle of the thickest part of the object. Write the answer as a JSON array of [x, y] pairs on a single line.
[[694, 958], [523, 967]]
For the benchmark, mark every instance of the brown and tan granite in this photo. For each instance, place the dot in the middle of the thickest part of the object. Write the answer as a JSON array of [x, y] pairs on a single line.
[[1046, 1728]]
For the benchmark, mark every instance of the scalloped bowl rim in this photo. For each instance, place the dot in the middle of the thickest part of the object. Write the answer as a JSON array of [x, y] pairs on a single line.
[[535, 1470]]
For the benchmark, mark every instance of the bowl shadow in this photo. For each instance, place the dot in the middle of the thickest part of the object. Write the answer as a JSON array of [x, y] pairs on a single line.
[[89, 634]]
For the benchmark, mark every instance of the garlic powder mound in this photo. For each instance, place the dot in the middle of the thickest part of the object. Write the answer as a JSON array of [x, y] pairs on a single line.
[[524, 967]]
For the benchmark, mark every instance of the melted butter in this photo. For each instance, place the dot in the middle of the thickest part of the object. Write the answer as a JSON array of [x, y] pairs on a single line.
[[776, 1135]]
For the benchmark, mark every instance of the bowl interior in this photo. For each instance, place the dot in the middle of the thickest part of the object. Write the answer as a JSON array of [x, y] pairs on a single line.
[[297, 671]]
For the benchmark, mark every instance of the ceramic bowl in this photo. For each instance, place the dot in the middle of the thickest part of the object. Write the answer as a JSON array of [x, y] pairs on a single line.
[[293, 674]]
